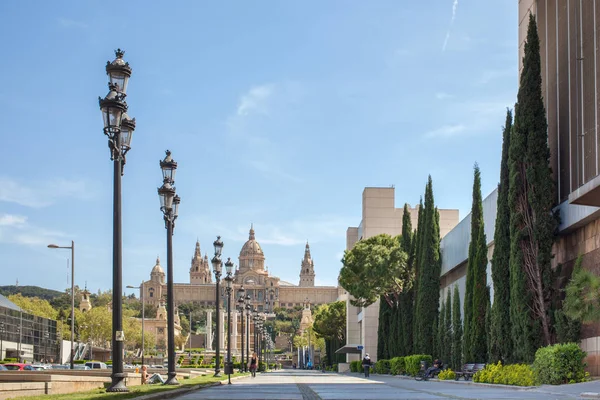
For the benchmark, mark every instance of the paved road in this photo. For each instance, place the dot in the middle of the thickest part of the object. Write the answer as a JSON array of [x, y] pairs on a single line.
[[315, 385]]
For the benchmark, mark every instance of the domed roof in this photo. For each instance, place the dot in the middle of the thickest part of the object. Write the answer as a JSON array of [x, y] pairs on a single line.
[[157, 268], [251, 247]]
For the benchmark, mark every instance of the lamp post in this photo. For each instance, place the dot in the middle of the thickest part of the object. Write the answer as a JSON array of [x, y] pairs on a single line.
[[46, 336], [216, 263], [118, 127], [169, 205], [72, 247], [248, 308], [241, 304], [141, 287], [2, 330], [229, 289]]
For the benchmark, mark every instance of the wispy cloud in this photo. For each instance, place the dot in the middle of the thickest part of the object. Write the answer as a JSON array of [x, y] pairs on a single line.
[[454, 7], [42, 194], [69, 23], [490, 75], [16, 229], [256, 100], [443, 96], [446, 131]]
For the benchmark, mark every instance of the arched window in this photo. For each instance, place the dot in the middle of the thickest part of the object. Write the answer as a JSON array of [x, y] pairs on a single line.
[[151, 292]]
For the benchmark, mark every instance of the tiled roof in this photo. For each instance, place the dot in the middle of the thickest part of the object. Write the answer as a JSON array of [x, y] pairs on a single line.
[[4, 302]]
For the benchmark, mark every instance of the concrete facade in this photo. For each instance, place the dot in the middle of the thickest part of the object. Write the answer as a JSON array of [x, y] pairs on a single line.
[[379, 215]]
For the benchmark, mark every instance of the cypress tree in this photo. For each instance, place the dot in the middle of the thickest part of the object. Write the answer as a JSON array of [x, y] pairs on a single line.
[[477, 331], [418, 238], [448, 338], [405, 301], [429, 268], [457, 332], [500, 348], [531, 197], [441, 344], [383, 332]]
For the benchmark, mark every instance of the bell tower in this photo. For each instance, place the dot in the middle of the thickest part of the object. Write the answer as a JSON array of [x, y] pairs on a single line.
[[307, 271], [199, 270]]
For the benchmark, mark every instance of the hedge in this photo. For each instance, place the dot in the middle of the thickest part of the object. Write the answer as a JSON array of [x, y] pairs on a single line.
[[446, 375], [513, 374], [413, 363], [355, 366], [397, 366], [382, 367], [560, 363]]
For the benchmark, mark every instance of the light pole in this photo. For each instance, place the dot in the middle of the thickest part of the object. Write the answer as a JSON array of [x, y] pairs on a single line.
[[118, 127], [248, 308], [141, 287], [229, 289], [72, 247], [241, 307], [46, 336], [216, 263], [2, 329], [169, 205]]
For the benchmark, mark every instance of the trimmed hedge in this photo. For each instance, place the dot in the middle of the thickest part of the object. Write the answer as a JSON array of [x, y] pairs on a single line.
[[413, 363], [382, 367], [560, 363], [446, 375], [397, 366], [513, 374], [355, 366]]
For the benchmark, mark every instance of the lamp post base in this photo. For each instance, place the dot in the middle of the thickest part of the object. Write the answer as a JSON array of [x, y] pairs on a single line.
[[118, 384], [172, 380], [217, 373]]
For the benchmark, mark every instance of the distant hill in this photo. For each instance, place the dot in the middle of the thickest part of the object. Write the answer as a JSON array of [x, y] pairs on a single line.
[[30, 291]]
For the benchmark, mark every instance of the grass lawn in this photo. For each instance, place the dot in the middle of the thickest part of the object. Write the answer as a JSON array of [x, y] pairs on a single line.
[[134, 391]]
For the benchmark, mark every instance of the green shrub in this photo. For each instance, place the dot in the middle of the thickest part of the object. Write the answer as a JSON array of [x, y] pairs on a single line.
[[382, 367], [82, 362], [334, 367], [560, 363], [413, 363], [513, 374], [446, 375], [10, 359], [355, 366], [397, 366]]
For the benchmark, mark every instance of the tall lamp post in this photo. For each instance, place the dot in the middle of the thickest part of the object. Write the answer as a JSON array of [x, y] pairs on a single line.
[[241, 304], [248, 308], [2, 330], [141, 287], [229, 289], [118, 127], [72, 247], [169, 205], [216, 263], [46, 336]]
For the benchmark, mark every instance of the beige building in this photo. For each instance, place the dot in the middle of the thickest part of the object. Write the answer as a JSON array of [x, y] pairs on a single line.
[[379, 215], [265, 290]]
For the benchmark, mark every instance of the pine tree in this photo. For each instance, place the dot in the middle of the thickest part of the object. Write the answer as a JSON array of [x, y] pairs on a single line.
[[481, 299], [448, 338], [456, 332], [428, 293], [531, 197], [500, 346]]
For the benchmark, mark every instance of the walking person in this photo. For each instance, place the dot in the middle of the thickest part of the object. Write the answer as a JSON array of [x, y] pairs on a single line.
[[253, 364], [366, 363]]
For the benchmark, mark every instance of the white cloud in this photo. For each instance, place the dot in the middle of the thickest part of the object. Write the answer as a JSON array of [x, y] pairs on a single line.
[[454, 7], [42, 194], [16, 229], [256, 100], [69, 23], [12, 220], [443, 96], [446, 131]]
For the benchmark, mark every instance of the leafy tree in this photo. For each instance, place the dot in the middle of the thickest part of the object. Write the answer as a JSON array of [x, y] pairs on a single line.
[[478, 320], [34, 305], [429, 269], [375, 267], [456, 331], [448, 338], [302, 340], [531, 197], [30, 291], [500, 346], [330, 324]]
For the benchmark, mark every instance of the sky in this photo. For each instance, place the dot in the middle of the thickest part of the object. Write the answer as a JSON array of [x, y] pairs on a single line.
[[278, 113]]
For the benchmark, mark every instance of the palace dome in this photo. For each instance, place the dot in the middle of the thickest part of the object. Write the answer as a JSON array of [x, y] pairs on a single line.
[[157, 268], [251, 247]]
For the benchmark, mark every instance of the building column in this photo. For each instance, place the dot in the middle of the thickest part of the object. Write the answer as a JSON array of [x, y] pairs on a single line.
[[208, 330], [221, 332], [234, 331]]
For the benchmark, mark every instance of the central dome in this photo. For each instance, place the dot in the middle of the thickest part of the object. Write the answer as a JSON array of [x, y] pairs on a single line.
[[251, 255]]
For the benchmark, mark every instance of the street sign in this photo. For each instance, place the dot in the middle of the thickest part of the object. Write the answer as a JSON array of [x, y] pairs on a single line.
[[359, 347]]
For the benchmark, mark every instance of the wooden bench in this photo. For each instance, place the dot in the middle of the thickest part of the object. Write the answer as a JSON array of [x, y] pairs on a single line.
[[468, 370]]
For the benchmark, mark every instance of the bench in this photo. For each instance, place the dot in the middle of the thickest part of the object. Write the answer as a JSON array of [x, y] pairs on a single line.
[[468, 370]]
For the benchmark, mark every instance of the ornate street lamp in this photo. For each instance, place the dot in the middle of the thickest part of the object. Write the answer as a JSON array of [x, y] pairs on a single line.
[[241, 304], [169, 205], [113, 108], [229, 289], [217, 264], [248, 308]]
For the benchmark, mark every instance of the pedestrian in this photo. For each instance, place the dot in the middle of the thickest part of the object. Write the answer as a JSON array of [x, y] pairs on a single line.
[[144, 374], [253, 364], [366, 363]]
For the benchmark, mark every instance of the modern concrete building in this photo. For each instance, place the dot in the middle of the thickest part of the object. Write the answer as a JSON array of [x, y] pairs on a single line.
[[379, 215]]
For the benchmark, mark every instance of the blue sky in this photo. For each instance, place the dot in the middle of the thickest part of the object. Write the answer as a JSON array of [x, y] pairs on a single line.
[[278, 113]]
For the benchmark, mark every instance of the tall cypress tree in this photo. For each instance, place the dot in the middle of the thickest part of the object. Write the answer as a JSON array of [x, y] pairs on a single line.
[[428, 293], [418, 238], [405, 303], [383, 331], [448, 338], [531, 197], [500, 346], [481, 297], [457, 332], [441, 344]]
